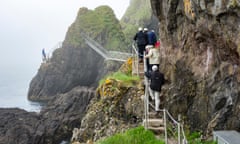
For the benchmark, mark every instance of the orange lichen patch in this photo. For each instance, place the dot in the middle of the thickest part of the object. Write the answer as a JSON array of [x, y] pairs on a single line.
[[129, 62], [108, 81], [127, 66], [188, 8], [109, 88]]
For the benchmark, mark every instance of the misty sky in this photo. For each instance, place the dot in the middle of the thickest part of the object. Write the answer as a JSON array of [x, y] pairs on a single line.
[[27, 26]]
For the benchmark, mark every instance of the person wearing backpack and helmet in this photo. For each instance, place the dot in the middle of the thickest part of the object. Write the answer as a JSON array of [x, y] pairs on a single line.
[[156, 82]]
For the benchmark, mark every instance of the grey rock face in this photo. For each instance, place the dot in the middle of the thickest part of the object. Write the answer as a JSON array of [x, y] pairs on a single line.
[[69, 67], [200, 58], [17, 126], [64, 113]]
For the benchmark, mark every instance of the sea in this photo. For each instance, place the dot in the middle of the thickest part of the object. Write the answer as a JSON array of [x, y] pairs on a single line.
[[13, 93]]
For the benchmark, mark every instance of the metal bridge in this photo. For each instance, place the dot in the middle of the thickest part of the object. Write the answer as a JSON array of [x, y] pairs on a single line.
[[108, 55]]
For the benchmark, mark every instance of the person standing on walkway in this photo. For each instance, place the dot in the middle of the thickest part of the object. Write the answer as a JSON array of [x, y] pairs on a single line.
[[44, 56], [141, 40], [147, 48], [152, 38], [156, 82], [153, 55]]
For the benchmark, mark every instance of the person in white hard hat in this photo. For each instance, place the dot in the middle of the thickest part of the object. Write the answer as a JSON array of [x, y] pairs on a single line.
[[156, 82], [141, 41]]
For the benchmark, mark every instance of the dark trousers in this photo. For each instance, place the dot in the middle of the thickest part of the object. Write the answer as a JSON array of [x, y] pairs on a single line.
[[141, 49]]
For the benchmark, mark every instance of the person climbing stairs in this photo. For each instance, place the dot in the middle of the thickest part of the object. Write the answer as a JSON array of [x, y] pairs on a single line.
[[153, 120]]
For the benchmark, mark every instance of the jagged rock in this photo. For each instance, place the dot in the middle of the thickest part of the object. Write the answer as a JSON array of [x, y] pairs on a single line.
[[63, 113], [114, 111], [52, 125], [75, 63], [200, 58], [17, 126]]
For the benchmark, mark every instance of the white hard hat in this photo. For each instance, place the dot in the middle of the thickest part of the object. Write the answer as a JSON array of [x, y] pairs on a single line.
[[149, 46], [154, 68], [145, 29], [140, 29]]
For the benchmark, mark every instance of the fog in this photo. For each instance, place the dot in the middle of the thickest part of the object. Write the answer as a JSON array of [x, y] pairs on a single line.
[[27, 26]]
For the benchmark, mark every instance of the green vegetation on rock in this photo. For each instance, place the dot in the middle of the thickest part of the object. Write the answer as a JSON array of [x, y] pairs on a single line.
[[119, 76], [101, 25], [133, 136]]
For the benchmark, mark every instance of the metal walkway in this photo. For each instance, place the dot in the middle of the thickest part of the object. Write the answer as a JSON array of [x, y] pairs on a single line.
[[108, 55]]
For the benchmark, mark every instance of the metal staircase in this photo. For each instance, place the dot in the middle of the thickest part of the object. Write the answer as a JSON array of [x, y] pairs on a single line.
[[152, 121]]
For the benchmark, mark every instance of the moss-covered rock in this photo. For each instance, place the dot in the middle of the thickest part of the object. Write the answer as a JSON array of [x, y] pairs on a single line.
[[118, 107]]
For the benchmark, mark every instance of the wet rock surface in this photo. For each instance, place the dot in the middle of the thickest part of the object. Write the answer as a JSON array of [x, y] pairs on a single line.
[[17, 126], [200, 58]]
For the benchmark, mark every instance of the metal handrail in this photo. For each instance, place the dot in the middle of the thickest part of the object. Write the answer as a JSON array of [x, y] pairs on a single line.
[[146, 94], [180, 128], [135, 55], [108, 55]]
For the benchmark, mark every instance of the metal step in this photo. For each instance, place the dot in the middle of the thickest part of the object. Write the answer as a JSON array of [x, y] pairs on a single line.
[[153, 115], [154, 122], [157, 130]]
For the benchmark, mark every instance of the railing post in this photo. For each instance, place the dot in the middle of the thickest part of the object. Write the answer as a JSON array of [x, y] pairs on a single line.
[[165, 125], [137, 64], [179, 129], [146, 94]]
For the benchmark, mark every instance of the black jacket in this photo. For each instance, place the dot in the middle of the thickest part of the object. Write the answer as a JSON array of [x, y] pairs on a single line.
[[157, 80], [141, 38]]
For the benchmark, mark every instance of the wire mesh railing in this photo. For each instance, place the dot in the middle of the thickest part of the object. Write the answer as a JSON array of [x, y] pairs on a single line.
[[108, 55]]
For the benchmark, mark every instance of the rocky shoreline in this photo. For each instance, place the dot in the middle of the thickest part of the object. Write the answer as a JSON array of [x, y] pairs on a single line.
[[53, 124]]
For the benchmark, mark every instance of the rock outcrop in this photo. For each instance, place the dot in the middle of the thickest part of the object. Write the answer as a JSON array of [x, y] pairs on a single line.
[[64, 113], [200, 48], [17, 126], [52, 125], [117, 108], [75, 63]]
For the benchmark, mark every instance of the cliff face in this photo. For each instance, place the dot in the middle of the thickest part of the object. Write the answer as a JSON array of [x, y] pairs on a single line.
[[200, 47], [75, 63]]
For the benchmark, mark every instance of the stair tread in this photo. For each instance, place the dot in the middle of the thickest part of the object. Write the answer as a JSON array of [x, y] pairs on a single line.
[[154, 122], [156, 128], [155, 119]]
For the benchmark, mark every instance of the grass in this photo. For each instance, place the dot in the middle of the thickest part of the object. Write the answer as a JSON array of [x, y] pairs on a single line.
[[139, 135], [133, 136], [126, 79]]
